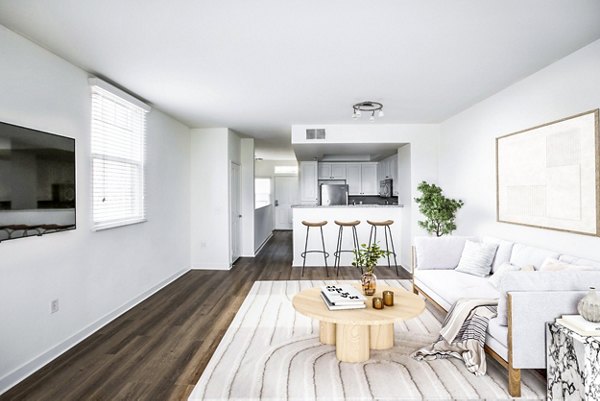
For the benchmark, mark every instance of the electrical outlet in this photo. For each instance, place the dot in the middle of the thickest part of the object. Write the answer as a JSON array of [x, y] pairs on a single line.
[[54, 306]]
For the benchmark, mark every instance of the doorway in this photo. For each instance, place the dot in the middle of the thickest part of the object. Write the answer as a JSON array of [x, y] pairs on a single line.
[[235, 212], [286, 194]]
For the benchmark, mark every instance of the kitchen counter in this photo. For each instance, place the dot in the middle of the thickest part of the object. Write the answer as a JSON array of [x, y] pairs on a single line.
[[345, 206], [359, 212]]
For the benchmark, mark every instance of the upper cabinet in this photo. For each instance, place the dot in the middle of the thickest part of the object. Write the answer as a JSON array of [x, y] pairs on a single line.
[[309, 182], [332, 171], [362, 178]]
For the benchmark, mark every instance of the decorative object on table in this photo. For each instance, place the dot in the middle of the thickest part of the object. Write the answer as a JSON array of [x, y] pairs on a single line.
[[547, 175], [368, 106], [388, 298], [439, 211], [338, 297], [366, 258], [377, 303], [589, 306], [573, 362]]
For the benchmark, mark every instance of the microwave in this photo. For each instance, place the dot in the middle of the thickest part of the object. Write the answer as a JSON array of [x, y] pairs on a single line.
[[385, 188]]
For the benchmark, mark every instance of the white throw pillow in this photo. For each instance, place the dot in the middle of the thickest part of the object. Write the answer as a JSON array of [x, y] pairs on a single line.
[[477, 258], [501, 271], [554, 265]]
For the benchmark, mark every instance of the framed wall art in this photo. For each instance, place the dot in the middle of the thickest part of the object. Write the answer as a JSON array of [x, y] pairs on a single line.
[[549, 176]]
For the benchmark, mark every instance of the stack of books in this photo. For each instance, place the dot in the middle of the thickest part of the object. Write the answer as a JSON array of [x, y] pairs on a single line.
[[579, 325], [338, 297]]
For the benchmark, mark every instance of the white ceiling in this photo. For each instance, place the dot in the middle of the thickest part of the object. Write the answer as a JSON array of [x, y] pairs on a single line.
[[260, 66]]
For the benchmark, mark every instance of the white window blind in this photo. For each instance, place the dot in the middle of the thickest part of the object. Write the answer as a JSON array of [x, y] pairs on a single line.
[[118, 152]]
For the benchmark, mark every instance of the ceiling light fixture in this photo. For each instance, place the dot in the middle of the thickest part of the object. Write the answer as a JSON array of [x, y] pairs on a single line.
[[369, 107]]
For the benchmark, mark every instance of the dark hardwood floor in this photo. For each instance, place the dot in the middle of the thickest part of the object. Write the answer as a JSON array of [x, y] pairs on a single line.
[[158, 349]]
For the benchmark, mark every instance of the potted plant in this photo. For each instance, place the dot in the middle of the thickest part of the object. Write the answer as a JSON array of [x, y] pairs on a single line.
[[366, 258], [439, 211]]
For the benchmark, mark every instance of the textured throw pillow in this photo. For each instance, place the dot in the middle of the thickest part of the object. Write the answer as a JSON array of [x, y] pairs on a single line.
[[554, 265], [476, 258], [501, 271]]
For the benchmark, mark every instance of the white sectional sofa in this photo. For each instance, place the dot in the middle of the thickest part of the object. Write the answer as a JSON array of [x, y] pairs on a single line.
[[527, 300]]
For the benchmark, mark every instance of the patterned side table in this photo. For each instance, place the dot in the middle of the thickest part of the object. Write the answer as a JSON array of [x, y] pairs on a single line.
[[573, 363]]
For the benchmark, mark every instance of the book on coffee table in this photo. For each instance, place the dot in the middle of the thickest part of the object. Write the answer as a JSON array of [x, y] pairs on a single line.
[[331, 306], [342, 295], [579, 325]]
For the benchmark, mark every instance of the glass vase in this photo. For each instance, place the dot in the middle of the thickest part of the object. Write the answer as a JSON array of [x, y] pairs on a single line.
[[369, 283]]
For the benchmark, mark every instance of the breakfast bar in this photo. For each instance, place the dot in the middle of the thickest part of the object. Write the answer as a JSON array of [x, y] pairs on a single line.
[[342, 213]]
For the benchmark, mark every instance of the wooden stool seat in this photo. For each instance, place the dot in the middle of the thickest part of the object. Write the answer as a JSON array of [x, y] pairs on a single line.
[[381, 223], [347, 223], [314, 223]]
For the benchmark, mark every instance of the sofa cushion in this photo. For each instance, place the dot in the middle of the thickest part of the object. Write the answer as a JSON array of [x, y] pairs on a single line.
[[564, 280], [450, 285], [574, 260], [438, 252], [523, 255], [498, 332], [495, 278], [476, 258], [553, 265], [502, 253]]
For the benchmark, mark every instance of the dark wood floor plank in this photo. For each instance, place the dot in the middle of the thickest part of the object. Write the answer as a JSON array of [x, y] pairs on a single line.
[[159, 349]]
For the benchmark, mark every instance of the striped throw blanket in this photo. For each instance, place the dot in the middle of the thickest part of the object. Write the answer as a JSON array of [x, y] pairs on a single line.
[[463, 334]]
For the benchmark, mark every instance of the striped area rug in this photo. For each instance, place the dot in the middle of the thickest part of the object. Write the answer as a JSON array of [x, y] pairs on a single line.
[[270, 352]]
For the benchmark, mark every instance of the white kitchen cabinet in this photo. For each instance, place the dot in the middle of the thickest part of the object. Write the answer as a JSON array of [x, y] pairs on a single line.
[[362, 178], [338, 171], [394, 174], [368, 179], [332, 171], [353, 178], [308, 182], [324, 171]]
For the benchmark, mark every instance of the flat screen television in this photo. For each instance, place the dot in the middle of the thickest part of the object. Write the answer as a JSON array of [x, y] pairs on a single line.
[[37, 182]]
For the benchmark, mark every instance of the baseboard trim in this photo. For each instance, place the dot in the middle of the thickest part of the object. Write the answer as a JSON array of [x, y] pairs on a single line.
[[21, 373], [261, 246], [212, 267]]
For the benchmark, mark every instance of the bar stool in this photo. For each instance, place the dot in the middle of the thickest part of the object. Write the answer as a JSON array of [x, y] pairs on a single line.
[[308, 225], [338, 249], [373, 238]]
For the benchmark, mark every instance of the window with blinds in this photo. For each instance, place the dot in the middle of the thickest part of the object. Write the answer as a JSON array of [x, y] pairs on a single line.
[[118, 152]]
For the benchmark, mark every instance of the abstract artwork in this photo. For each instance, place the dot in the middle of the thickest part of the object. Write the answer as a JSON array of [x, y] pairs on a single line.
[[548, 176]]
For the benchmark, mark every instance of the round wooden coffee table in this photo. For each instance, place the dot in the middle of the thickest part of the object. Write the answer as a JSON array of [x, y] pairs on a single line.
[[357, 331]]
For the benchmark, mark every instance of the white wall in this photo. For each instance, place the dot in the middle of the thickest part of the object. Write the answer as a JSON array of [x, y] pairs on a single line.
[[212, 152], [404, 185], [248, 215], [209, 220], [95, 275], [467, 154], [263, 225], [424, 145]]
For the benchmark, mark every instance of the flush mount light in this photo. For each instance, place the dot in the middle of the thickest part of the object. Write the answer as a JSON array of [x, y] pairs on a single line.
[[368, 107]]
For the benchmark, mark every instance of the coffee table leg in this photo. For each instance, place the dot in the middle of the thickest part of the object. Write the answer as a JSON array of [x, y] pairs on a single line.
[[352, 343], [327, 333], [382, 336]]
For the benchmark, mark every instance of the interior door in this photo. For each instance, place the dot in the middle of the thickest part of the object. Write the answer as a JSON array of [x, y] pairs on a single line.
[[235, 212], [286, 194]]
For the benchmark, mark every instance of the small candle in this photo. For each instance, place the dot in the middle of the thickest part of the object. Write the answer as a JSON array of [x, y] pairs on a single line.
[[377, 303], [388, 298]]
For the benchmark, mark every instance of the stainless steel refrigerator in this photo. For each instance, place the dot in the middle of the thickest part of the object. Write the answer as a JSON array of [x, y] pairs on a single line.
[[334, 194]]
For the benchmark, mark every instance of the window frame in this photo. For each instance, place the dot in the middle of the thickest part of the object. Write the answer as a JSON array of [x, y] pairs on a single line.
[[138, 165]]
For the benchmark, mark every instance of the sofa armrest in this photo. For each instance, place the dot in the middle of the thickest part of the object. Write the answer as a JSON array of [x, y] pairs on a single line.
[[438, 252], [529, 311]]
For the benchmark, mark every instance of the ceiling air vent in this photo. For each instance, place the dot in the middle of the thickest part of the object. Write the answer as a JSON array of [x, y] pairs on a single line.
[[318, 133]]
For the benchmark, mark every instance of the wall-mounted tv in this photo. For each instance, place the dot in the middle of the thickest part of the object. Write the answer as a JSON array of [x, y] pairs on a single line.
[[37, 182]]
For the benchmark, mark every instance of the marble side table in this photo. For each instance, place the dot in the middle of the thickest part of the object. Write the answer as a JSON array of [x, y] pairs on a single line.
[[573, 363]]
